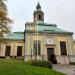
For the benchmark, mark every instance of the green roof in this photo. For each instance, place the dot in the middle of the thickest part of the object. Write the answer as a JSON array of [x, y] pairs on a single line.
[[14, 36], [48, 28]]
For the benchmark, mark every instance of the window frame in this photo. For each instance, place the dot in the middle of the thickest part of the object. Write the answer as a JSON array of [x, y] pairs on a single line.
[[19, 54], [35, 52], [63, 48], [8, 51]]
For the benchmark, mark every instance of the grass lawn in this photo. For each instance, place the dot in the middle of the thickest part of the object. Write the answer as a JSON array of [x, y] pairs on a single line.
[[18, 67]]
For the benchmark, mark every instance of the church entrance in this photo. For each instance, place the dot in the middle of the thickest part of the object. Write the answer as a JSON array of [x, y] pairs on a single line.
[[51, 56]]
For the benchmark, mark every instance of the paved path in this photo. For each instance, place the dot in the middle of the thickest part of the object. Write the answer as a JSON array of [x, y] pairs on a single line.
[[66, 69]]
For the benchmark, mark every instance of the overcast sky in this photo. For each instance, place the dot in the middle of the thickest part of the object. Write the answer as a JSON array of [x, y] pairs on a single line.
[[60, 12]]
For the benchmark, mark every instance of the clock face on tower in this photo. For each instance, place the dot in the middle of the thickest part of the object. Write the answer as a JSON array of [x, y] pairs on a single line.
[[49, 41]]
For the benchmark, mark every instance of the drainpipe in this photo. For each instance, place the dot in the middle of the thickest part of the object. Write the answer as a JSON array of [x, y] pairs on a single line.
[[24, 41]]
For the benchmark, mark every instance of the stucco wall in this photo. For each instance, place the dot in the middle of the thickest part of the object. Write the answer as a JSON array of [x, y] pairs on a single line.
[[29, 44], [2, 49], [56, 41], [72, 57], [69, 44], [74, 46], [13, 45]]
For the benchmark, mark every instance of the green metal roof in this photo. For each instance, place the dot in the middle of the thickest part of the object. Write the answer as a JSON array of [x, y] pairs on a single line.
[[45, 27], [14, 36]]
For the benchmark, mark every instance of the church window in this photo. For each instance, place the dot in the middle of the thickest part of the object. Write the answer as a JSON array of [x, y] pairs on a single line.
[[63, 48], [19, 50], [37, 48], [40, 17], [8, 49]]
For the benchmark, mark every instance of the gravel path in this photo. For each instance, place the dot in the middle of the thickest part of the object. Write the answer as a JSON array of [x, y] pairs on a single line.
[[66, 69]]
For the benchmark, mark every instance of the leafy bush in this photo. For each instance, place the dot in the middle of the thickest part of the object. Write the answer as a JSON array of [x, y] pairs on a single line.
[[72, 63], [41, 63]]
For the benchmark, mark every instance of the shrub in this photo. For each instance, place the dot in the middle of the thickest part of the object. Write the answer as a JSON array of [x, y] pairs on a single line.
[[72, 63], [41, 63]]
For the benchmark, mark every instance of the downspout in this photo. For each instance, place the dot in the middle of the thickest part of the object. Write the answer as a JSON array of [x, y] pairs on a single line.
[[24, 40]]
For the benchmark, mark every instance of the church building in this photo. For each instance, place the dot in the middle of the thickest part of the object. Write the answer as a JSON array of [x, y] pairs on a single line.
[[39, 41], [45, 41]]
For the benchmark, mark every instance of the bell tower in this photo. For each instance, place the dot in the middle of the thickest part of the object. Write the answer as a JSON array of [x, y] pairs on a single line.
[[38, 13]]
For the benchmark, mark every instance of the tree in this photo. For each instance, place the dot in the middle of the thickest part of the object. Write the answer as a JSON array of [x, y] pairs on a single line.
[[4, 19]]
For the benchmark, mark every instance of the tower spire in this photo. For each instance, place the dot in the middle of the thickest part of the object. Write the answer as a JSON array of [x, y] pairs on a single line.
[[38, 6], [38, 13]]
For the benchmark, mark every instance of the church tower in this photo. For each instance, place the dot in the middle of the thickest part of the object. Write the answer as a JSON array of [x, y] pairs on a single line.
[[38, 13]]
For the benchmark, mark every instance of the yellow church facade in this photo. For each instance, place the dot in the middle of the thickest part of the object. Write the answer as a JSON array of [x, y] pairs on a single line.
[[39, 41], [12, 45], [45, 41], [50, 43]]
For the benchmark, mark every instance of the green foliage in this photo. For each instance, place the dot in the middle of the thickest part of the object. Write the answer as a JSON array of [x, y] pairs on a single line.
[[19, 67], [40, 63], [4, 19], [72, 63]]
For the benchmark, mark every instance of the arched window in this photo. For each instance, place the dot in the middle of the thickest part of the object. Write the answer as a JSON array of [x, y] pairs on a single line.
[[40, 18]]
